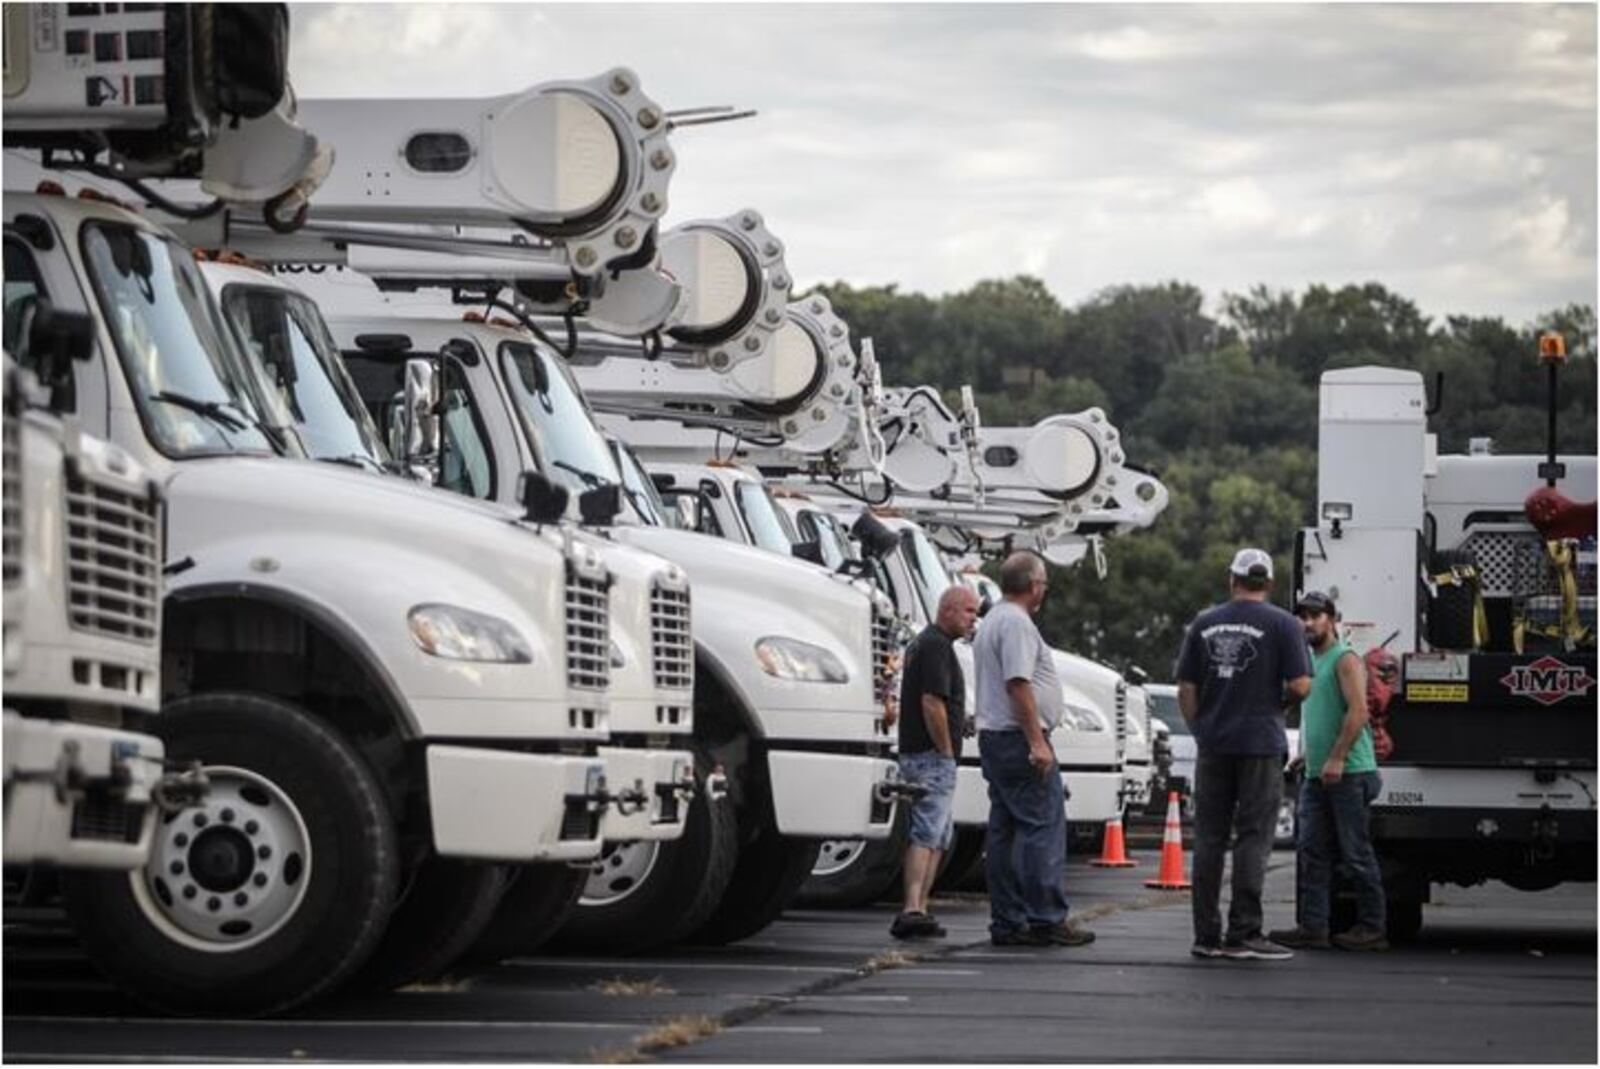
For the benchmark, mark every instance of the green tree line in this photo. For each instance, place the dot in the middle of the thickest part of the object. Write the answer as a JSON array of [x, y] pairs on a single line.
[[1221, 405]]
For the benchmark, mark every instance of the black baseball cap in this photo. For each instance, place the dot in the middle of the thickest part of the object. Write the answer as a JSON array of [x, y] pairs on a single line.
[[1315, 601]]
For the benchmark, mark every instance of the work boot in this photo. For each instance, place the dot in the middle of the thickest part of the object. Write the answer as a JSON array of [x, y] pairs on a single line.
[[1299, 938], [1018, 937], [1361, 937], [1063, 935]]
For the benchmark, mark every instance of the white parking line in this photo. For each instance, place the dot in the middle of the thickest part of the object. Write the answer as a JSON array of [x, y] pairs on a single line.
[[630, 965], [825, 998]]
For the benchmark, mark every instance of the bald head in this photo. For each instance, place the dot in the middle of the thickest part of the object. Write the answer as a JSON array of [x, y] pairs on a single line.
[[958, 611]]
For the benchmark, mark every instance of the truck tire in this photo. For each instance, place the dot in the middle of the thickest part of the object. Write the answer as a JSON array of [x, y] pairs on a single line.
[[1403, 918], [537, 901], [766, 878], [964, 863], [1452, 608], [856, 872], [641, 896], [270, 892], [445, 906]]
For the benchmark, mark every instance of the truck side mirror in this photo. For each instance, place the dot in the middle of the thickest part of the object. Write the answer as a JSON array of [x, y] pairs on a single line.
[[686, 511], [419, 418], [663, 482], [542, 500], [810, 550], [877, 541], [56, 339], [599, 506]]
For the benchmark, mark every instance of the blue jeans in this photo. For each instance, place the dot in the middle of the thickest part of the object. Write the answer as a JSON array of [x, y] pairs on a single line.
[[1334, 827], [1027, 858], [932, 823]]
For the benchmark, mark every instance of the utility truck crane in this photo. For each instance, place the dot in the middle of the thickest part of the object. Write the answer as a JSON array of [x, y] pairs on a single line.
[[787, 680]]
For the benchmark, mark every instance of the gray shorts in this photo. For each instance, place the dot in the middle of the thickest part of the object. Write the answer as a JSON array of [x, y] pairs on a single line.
[[933, 823]]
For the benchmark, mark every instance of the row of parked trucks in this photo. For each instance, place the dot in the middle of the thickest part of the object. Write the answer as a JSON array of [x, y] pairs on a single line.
[[415, 552], [344, 643]]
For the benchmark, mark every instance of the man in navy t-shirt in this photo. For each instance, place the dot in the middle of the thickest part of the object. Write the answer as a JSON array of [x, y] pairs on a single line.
[[1242, 663]]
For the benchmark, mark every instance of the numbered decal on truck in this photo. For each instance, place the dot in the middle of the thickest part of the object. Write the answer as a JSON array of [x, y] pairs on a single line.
[[1548, 680]]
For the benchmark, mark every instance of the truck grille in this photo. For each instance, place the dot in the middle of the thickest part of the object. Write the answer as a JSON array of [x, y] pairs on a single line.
[[11, 520], [883, 651], [1122, 717], [671, 640], [588, 632], [113, 561]]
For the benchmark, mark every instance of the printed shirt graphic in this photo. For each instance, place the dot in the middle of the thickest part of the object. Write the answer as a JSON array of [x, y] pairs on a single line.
[[1240, 654]]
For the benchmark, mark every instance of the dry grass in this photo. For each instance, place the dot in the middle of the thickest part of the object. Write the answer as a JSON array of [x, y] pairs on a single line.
[[445, 985], [889, 959], [622, 987], [614, 1056], [678, 1032]]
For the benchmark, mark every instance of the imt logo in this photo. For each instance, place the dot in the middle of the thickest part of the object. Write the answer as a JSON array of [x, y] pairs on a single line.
[[1547, 680]]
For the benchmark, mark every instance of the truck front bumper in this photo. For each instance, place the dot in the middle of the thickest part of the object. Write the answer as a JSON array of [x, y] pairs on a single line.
[[506, 806], [832, 796], [78, 796], [650, 793]]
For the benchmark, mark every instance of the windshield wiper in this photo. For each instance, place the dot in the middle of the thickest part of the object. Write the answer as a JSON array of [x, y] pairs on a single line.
[[589, 478], [356, 460], [212, 410]]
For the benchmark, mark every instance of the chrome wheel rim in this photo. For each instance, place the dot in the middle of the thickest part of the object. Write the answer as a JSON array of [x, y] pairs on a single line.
[[619, 871], [836, 855]]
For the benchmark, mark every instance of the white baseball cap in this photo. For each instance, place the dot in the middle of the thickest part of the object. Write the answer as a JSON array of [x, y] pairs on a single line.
[[1249, 561]]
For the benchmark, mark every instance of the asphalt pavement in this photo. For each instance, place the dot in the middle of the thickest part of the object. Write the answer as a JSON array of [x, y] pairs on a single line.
[[1498, 975]]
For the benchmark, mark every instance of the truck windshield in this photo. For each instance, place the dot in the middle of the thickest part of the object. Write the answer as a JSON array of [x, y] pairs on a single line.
[[284, 334], [556, 419], [184, 373], [641, 491], [1164, 707], [761, 516], [927, 567]]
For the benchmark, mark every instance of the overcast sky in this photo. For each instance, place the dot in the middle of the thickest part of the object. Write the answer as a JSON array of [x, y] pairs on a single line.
[[1445, 150]]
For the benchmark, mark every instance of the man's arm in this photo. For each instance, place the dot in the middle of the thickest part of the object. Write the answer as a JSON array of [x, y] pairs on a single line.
[[1188, 700], [1353, 686], [1040, 755], [937, 716]]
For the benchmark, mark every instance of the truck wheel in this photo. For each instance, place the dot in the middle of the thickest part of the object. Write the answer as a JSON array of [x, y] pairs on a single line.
[[1404, 919], [1451, 609], [271, 891], [856, 872], [963, 863], [766, 878], [537, 901], [446, 904], [640, 896]]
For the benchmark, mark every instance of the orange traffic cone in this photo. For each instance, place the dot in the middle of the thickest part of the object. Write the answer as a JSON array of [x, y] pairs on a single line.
[[1113, 849], [1171, 877]]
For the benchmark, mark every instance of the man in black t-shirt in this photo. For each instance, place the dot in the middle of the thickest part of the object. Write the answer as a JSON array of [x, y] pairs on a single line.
[[933, 709], [1242, 662]]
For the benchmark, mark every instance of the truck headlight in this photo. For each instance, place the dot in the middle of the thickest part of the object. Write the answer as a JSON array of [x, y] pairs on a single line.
[[1079, 718], [789, 658], [459, 634]]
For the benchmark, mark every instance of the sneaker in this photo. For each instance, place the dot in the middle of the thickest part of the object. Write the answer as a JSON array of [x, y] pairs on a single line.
[[916, 925], [1299, 938], [1063, 935], [1206, 950], [1018, 937], [1361, 937], [1255, 948]]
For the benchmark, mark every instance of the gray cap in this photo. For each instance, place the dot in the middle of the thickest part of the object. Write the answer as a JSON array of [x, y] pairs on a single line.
[[1248, 562]]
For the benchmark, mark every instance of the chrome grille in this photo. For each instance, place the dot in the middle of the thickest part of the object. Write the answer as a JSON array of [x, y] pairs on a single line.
[[883, 651], [588, 632], [113, 561], [671, 641], [11, 520]]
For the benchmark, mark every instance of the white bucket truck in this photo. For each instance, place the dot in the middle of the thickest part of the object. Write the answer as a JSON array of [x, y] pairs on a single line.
[[361, 704], [1467, 584]]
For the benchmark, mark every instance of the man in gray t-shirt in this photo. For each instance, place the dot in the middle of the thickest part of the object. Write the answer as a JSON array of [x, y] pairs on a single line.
[[1019, 701]]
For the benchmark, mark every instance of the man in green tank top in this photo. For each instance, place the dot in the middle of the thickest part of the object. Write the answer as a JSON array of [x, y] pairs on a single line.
[[1341, 781]]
